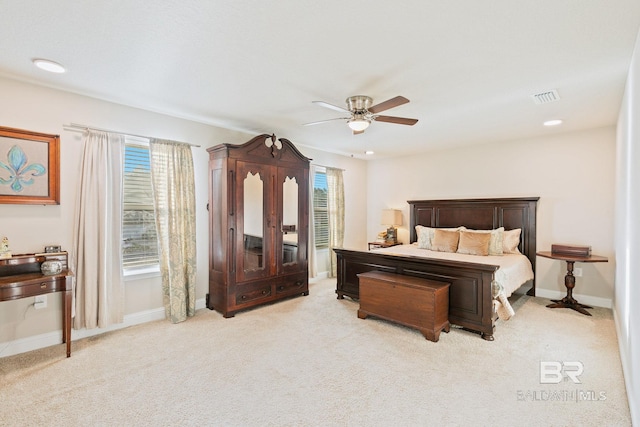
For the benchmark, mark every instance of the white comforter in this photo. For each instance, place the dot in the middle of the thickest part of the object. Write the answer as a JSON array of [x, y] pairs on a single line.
[[514, 271]]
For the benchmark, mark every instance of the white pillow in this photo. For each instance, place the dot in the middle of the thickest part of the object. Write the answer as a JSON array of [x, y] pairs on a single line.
[[425, 235], [496, 242], [511, 241]]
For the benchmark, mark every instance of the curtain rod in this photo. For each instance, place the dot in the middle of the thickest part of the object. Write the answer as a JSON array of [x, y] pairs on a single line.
[[75, 127], [330, 167]]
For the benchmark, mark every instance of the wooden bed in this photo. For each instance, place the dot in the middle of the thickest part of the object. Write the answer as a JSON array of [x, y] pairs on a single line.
[[470, 297]]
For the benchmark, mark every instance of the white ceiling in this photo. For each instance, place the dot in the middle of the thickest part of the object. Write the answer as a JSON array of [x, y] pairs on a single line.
[[468, 66]]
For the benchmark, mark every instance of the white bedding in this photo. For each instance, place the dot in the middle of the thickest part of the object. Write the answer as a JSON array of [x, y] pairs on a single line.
[[514, 271]]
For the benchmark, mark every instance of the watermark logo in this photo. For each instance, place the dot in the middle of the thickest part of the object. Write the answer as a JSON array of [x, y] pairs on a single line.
[[554, 372], [561, 396]]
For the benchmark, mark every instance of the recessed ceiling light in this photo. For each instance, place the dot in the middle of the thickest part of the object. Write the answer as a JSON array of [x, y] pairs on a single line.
[[369, 152], [47, 65], [555, 122]]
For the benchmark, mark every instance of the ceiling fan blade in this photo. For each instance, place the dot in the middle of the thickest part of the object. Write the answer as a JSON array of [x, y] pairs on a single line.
[[389, 103], [325, 121], [397, 120], [331, 106]]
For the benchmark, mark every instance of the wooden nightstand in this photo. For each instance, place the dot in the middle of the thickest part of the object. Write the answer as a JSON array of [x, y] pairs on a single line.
[[378, 245], [570, 281]]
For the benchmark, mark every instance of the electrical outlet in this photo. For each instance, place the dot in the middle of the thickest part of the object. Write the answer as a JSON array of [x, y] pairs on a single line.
[[577, 272], [40, 301]]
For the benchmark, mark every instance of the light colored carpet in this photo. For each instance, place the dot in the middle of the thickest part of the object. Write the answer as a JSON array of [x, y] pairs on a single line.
[[310, 361]]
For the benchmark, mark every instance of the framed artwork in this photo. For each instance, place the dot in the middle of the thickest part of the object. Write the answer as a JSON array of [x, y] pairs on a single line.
[[29, 167]]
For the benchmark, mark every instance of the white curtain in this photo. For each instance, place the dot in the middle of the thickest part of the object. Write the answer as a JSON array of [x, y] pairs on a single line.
[[335, 204], [313, 267], [174, 195], [97, 245]]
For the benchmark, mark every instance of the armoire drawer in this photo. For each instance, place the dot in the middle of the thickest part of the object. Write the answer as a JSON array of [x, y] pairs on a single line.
[[292, 284], [252, 292]]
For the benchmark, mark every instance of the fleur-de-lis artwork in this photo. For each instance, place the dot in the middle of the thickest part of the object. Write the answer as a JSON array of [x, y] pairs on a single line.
[[21, 173]]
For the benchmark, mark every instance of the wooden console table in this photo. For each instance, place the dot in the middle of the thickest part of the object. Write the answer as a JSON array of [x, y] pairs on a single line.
[[20, 277], [570, 281]]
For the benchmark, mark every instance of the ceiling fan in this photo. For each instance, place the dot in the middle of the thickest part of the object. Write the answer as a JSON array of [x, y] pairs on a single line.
[[362, 112]]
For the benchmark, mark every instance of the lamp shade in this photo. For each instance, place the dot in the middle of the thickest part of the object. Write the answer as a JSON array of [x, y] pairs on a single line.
[[391, 217]]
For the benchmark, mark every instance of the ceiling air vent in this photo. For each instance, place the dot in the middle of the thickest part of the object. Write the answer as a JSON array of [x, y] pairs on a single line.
[[546, 97]]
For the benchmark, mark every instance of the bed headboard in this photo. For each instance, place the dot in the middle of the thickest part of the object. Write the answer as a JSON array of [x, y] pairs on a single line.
[[480, 214]]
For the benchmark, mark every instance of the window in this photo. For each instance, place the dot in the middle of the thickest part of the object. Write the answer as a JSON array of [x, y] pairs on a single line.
[[139, 239], [320, 210]]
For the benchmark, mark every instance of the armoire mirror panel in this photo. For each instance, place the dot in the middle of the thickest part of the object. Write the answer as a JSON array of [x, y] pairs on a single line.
[[290, 221], [253, 225]]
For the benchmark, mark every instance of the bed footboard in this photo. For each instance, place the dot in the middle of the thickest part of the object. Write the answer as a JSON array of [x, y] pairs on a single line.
[[470, 293]]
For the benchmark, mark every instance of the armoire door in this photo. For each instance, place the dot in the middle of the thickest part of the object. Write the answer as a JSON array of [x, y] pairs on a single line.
[[291, 229], [255, 222]]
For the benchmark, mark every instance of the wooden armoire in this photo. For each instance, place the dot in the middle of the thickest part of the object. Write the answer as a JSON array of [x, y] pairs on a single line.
[[258, 224]]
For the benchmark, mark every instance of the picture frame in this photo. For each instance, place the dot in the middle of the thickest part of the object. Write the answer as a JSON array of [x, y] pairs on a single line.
[[29, 167], [392, 235]]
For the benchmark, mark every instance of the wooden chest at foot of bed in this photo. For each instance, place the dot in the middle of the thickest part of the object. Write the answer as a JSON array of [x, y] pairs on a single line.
[[411, 301]]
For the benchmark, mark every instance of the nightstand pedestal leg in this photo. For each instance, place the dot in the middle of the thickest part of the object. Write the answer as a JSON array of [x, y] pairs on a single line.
[[568, 301]]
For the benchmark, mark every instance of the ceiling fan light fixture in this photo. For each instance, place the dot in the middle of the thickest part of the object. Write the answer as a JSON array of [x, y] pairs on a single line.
[[363, 113], [359, 124]]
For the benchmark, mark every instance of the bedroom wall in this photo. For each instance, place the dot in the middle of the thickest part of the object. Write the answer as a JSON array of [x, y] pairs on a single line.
[[572, 173], [30, 228], [627, 235]]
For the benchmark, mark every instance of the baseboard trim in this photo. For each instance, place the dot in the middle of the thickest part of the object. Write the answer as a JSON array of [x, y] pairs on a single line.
[[584, 299], [48, 339]]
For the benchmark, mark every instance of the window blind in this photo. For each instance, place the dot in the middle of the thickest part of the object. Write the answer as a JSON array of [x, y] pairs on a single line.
[[139, 238], [320, 211]]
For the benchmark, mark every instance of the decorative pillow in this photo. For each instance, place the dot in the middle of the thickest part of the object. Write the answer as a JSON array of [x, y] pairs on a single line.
[[496, 241], [511, 241], [425, 235], [474, 243], [445, 240]]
